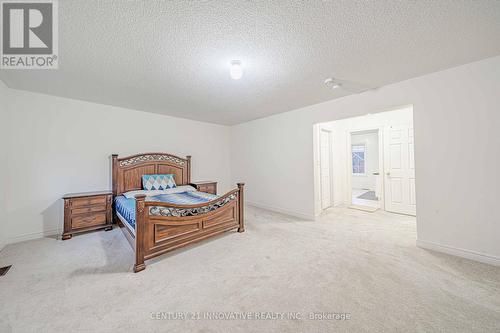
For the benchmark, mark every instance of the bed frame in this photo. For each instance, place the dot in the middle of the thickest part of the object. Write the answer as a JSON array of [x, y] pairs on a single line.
[[161, 227]]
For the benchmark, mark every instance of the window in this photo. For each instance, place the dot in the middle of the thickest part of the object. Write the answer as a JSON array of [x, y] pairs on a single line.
[[358, 159]]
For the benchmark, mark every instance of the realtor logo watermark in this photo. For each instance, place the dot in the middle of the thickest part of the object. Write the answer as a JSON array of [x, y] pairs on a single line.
[[29, 34]]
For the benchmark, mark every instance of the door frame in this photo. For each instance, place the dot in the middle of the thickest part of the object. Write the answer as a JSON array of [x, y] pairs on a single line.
[[330, 164], [380, 131]]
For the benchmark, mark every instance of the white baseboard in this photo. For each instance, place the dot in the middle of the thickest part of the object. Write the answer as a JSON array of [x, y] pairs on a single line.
[[33, 235], [467, 254], [281, 210]]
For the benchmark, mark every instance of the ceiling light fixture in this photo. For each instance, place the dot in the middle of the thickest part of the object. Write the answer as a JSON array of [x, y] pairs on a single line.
[[236, 70], [330, 83]]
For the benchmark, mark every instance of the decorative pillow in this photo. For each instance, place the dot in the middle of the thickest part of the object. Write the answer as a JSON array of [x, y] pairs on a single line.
[[158, 182]]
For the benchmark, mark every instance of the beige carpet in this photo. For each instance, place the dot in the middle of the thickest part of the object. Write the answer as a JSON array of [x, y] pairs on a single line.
[[364, 208], [362, 264]]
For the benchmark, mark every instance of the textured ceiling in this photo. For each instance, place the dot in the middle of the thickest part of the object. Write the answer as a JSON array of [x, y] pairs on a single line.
[[172, 57]]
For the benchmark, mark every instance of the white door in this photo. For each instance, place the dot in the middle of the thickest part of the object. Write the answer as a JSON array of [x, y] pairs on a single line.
[[399, 170], [325, 172]]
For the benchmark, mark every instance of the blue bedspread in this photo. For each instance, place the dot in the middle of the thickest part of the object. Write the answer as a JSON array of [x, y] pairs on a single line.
[[126, 207]]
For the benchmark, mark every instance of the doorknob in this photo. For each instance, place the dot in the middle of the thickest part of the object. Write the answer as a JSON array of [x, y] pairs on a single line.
[[388, 173], [376, 173]]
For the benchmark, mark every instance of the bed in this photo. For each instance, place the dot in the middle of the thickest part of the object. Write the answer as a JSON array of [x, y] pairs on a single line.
[[157, 222]]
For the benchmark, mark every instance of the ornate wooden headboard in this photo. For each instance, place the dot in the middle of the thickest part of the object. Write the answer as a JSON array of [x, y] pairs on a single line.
[[128, 171]]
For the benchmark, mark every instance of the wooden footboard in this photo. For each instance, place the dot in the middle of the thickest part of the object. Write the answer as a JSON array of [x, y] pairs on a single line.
[[162, 227]]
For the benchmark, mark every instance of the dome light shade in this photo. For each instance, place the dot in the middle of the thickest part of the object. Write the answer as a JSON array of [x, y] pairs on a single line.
[[330, 83], [236, 70]]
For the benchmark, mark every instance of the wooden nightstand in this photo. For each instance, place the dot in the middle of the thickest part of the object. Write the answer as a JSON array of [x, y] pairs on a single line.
[[208, 187], [87, 211]]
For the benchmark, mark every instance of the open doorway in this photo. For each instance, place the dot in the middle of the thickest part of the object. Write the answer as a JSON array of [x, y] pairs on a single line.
[[365, 184], [366, 162]]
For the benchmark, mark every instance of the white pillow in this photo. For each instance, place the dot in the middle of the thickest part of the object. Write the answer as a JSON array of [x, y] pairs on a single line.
[[132, 194], [151, 193], [179, 189]]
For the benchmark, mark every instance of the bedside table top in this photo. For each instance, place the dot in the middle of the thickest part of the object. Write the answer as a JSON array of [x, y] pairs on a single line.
[[86, 194], [203, 182]]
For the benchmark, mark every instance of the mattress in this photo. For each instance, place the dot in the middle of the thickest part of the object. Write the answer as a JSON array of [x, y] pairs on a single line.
[[126, 207]]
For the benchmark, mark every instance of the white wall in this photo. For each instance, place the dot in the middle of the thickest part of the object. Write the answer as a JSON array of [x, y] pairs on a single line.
[[457, 121], [341, 130], [4, 98], [61, 145], [367, 180]]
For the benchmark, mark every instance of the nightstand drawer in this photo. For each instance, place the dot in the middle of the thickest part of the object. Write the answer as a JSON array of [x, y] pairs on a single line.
[[88, 209], [88, 220], [80, 202], [208, 187]]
